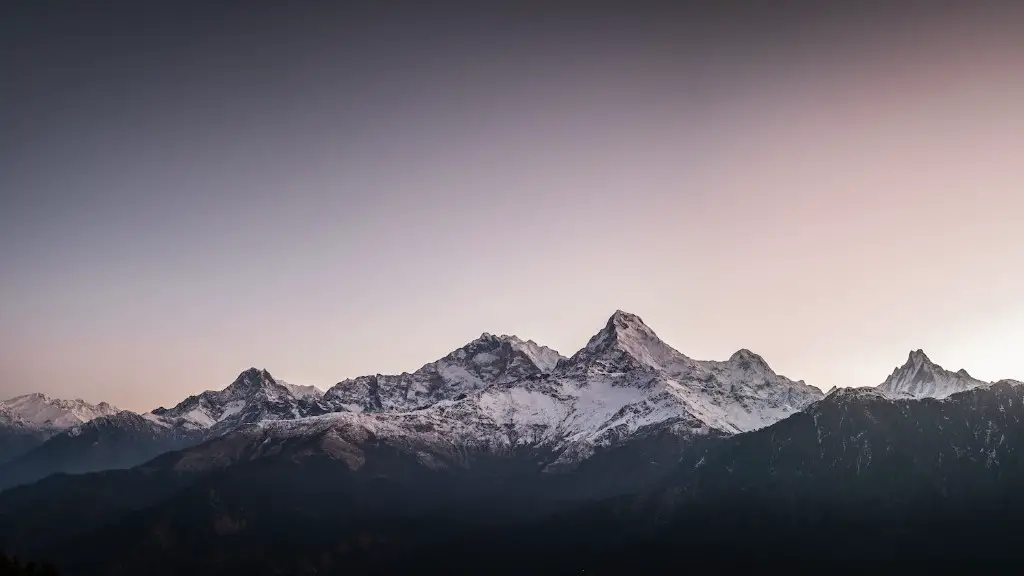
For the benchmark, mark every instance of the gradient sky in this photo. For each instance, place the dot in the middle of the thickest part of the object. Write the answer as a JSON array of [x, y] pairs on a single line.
[[190, 189]]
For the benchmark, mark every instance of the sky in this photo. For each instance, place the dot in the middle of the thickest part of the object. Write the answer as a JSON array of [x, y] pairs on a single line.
[[328, 190]]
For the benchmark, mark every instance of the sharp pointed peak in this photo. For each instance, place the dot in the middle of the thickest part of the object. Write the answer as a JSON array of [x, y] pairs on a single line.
[[627, 334], [918, 361], [251, 377], [253, 371], [625, 322], [918, 357], [619, 323], [486, 341], [488, 337], [623, 318], [920, 377]]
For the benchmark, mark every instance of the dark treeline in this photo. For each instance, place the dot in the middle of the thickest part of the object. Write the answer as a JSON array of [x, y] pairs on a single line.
[[12, 567]]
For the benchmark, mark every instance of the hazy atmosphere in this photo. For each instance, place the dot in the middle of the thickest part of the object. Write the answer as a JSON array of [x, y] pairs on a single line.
[[189, 191]]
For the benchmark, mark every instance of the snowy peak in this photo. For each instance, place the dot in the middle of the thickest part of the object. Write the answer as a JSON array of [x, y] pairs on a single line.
[[251, 380], [489, 348], [258, 381], [41, 411], [626, 342], [485, 361], [918, 359], [622, 329], [254, 395], [744, 359], [919, 377]]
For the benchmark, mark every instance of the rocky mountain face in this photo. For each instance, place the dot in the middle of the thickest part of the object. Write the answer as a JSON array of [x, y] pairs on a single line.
[[485, 361], [254, 396], [919, 377]]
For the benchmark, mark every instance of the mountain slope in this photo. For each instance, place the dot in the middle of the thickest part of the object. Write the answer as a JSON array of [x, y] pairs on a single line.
[[859, 442]]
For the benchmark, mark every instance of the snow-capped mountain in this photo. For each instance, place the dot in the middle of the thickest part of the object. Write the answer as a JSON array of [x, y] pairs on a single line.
[[118, 441], [122, 439], [497, 394], [919, 377], [485, 361], [737, 395], [27, 421], [253, 397], [43, 412], [625, 382]]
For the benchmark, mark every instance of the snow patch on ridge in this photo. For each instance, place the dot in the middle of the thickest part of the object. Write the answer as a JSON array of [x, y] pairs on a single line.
[[42, 411]]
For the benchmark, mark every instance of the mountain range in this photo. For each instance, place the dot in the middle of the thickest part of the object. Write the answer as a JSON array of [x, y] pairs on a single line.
[[627, 434], [495, 393]]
